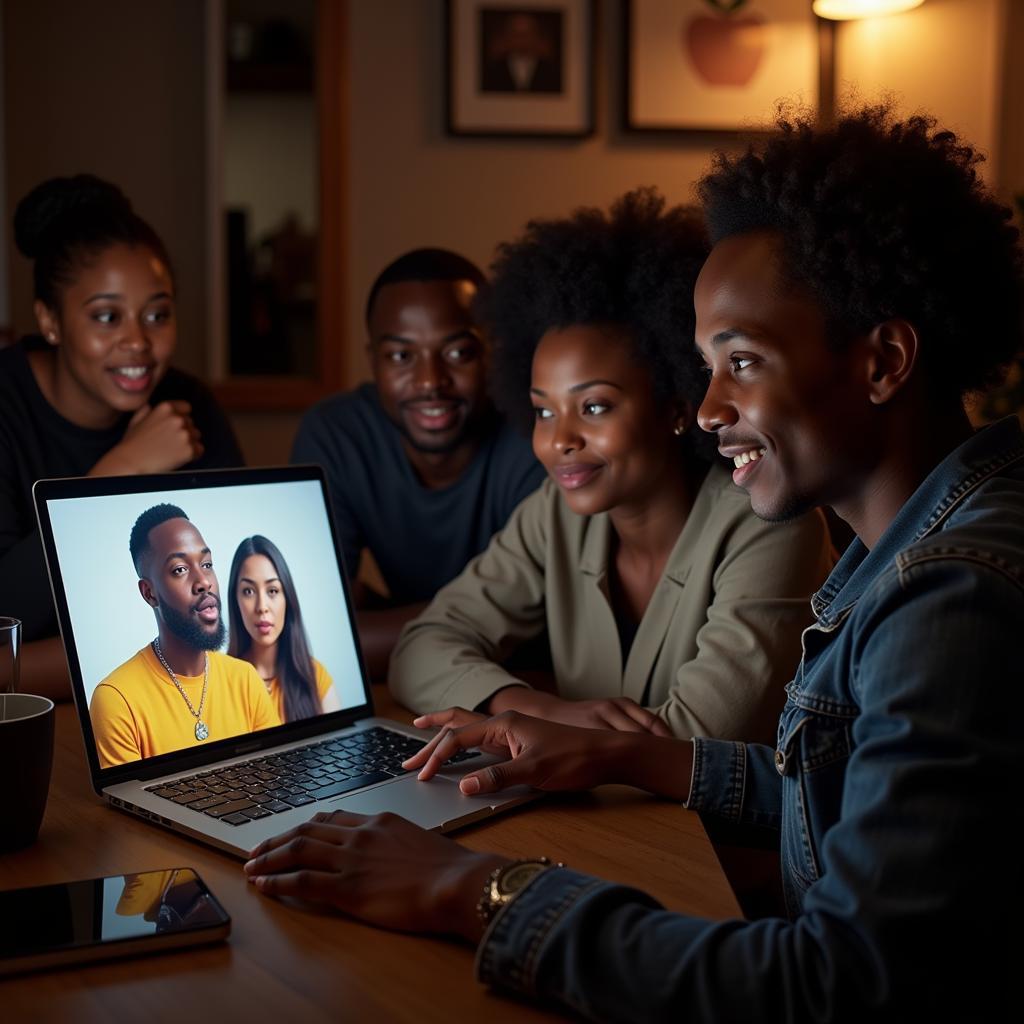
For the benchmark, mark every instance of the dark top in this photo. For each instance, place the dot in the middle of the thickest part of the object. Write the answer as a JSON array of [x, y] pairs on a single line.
[[36, 442], [420, 538]]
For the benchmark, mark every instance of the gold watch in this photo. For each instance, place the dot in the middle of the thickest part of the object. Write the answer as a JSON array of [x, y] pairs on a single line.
[[504, 884]]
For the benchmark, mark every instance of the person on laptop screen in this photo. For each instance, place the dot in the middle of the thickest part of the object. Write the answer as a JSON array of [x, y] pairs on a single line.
[[420, 467], [178, 691], [267, 631]]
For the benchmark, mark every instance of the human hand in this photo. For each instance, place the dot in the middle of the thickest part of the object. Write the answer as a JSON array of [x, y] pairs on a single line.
[[620, 713], [454, 717], [158, 439], [545, 755], [380, 869]]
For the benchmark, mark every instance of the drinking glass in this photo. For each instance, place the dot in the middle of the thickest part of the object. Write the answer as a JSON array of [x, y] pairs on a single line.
[[10, 654]]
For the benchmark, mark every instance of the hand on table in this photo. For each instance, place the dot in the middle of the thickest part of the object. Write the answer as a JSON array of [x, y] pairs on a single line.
[[380, 869], [454, 717], [620, 713]]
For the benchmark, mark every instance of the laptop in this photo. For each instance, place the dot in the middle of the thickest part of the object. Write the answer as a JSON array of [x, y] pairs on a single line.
[[216, 767]]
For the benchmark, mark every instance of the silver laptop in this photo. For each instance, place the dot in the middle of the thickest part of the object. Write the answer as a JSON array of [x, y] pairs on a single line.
[[227, 748]]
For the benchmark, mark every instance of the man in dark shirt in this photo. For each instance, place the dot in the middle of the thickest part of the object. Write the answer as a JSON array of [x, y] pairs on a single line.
[[421, 470]]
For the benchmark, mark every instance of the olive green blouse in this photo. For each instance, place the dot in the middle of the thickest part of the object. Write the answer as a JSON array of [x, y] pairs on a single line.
[[712, 654]]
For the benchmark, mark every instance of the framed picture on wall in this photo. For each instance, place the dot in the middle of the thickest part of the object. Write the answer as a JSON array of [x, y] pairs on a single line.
[[716, 65], [519, 67]]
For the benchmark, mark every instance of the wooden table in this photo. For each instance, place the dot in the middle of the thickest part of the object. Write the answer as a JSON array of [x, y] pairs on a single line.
[[293, 965]]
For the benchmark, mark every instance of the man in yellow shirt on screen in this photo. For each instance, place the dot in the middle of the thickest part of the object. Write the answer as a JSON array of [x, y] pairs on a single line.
[[179, 691]]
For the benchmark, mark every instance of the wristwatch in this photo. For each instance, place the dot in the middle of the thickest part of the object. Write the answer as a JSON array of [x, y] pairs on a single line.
[[504, 884]]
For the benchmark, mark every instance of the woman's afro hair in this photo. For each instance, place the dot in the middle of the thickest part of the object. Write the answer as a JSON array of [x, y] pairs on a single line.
[[633, 267]]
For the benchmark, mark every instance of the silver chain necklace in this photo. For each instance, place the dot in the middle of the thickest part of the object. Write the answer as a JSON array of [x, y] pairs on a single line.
[[202, 732]]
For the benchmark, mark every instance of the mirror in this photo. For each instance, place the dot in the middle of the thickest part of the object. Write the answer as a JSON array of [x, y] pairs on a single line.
[[277, 188]]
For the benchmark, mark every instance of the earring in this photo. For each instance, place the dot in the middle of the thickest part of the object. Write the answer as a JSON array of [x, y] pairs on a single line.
[[679, 430], [52, 338]]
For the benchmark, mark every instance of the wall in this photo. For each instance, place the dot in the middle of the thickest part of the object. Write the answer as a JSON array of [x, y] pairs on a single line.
[[1011, 138], [944, 57], [412, 185], [115, 89]]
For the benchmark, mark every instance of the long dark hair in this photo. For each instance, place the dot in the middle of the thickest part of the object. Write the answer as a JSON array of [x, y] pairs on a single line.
[[294, 662]]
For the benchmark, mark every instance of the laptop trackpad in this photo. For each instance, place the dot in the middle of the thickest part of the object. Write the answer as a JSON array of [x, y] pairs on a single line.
[[438, 803]]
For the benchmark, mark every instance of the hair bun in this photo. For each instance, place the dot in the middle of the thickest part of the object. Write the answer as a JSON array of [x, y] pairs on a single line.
[[40, 214]]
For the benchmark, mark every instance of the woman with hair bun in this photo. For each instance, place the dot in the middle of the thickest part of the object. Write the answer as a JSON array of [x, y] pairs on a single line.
[[93, 393]]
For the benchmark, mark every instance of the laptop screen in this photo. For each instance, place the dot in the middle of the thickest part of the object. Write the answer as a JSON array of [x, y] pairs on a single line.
[[199, 608]]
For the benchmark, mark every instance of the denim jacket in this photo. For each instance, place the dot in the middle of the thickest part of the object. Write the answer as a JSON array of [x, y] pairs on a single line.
[[894, 785]]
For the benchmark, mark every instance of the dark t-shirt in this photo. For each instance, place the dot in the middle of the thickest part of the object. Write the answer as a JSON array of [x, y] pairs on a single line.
[[420, 538], [36, 442]]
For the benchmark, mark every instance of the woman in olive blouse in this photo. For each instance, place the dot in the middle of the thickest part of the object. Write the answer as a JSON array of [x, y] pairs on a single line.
[[668, 604]]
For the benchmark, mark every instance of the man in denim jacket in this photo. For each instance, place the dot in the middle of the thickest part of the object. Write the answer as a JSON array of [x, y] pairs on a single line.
[[862, 281]]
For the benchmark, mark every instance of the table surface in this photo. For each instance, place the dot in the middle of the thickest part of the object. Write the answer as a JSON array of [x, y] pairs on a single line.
[[295, 964]]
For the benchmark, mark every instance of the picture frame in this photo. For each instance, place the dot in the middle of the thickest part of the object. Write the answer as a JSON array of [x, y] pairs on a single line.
[[716, 66], [519, 68]]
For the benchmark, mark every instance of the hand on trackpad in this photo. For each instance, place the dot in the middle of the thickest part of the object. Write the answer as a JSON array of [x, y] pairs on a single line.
[[438, 804]]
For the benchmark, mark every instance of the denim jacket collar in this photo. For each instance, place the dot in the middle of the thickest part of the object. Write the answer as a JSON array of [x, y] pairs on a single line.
[[990, 450]]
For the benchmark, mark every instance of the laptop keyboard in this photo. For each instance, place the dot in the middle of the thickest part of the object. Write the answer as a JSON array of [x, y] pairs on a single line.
[[263, 786]]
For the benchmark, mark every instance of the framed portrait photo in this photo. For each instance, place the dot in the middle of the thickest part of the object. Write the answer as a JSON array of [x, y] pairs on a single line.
[[716, 65], [519, 67]]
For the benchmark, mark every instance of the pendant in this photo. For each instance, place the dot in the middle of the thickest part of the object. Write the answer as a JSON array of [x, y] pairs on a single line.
[[201, 731]]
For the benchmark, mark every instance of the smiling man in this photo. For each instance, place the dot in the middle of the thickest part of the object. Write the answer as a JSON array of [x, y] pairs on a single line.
[[178, 691], [862, 282], [421, 469]]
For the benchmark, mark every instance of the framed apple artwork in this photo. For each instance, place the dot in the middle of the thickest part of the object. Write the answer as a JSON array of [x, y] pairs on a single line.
[[715, 65]]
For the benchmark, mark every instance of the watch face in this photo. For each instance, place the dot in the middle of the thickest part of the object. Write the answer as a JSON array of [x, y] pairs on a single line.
[[518, 875]]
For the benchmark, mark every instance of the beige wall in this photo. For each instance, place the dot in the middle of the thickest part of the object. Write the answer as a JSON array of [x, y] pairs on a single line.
[[1011, 135], [116, 89], [944, 57], [412, 185]]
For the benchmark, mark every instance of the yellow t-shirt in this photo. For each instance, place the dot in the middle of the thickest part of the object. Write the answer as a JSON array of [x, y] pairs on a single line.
[[138, 712], [323, 687]]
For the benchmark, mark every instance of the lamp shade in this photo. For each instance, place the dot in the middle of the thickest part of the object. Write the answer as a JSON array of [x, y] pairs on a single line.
[[848, 10]]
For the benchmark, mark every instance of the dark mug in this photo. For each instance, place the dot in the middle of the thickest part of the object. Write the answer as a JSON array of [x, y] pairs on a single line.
[[26, 757]]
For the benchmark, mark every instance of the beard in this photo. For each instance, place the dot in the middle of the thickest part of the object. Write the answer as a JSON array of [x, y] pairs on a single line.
[[187, 628]]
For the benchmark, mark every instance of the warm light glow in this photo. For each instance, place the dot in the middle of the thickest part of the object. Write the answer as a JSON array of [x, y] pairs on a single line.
[[848, 10]]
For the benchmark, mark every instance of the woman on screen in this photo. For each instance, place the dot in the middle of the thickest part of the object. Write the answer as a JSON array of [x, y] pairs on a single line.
[[92, 393], [267, 631]]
